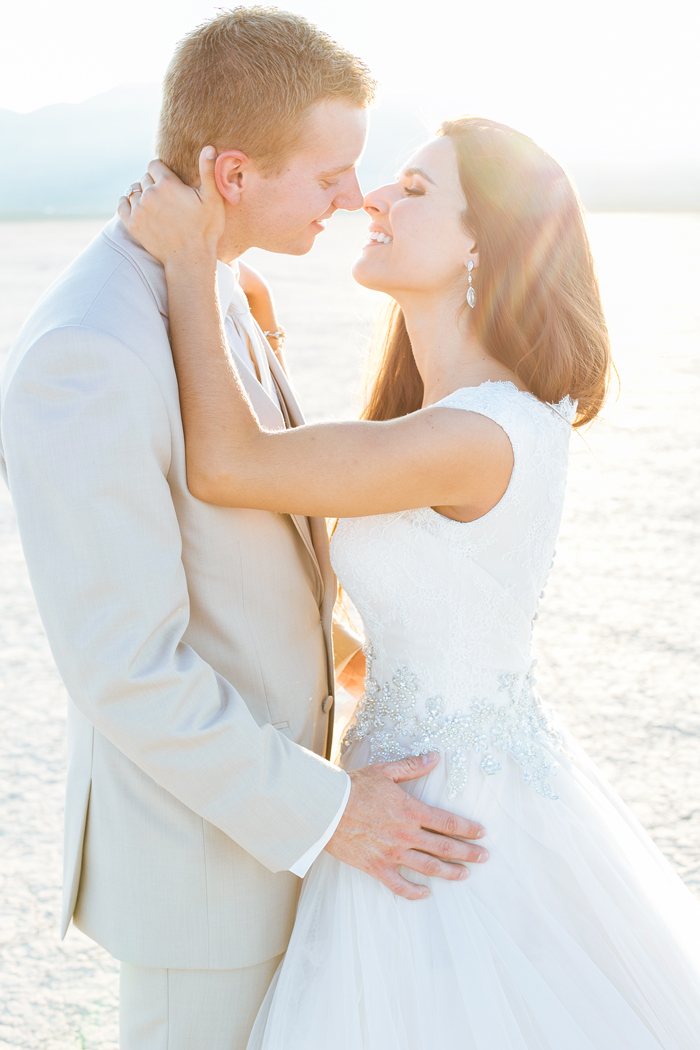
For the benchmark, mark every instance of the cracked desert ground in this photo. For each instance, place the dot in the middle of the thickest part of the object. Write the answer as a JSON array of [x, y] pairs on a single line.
[[617, 638]]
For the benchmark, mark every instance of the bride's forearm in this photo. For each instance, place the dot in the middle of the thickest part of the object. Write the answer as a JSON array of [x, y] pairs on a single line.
[[218, 419], [262, 307]]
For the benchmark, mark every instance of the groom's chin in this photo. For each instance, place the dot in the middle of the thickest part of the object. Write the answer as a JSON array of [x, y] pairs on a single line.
[[302, 249], [301, 246]]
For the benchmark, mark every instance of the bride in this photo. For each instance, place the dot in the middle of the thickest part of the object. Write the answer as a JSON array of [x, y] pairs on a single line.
[[576, 935]]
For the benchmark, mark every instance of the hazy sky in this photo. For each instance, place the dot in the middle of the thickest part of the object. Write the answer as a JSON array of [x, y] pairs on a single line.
[[600, 78]]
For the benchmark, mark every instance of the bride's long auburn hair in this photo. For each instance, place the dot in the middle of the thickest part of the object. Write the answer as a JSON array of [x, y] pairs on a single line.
[[538, 307]]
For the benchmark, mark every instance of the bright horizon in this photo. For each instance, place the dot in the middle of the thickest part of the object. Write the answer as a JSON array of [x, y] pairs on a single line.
[[608, 79]]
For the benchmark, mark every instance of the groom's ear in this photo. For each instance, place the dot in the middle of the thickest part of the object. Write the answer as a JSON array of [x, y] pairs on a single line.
[[232, 171]]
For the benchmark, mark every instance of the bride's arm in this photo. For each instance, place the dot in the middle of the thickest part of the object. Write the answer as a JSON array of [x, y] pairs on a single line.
[[262, 307], [434, 457]]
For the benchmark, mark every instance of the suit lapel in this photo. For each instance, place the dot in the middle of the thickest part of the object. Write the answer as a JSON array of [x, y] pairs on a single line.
[[314, 528], [318, 531]]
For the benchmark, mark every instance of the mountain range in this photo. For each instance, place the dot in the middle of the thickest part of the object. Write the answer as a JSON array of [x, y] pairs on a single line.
[[75, 159]]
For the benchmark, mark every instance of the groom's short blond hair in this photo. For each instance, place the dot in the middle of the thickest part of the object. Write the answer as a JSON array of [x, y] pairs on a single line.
[[245, 80]]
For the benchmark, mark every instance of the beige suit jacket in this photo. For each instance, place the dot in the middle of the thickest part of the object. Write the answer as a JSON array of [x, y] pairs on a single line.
[[194, 641]]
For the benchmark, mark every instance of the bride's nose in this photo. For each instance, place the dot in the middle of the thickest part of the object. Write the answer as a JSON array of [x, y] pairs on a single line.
[[376, 202]]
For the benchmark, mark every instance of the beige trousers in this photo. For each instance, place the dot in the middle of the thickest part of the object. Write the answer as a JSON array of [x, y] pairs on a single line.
[[190, 1009]]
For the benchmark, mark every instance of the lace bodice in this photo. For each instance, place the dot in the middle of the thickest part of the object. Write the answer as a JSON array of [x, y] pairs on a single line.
[[448, 607]]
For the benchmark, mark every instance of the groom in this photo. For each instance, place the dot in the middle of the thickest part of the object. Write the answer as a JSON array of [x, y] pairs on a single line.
[[195, 641]]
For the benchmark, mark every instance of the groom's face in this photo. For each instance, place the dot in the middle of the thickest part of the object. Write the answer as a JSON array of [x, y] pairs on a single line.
[[285, 212]]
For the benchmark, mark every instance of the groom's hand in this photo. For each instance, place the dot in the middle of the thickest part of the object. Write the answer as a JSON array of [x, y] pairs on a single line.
[[384, 828]]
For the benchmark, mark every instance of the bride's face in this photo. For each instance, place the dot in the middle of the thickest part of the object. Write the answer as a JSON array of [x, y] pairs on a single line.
[[417, 241]]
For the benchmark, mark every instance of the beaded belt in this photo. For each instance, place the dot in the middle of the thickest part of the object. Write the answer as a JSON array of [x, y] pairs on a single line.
[[520, 728]]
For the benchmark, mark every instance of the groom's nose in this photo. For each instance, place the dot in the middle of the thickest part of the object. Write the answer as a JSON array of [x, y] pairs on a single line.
[[350, 197]]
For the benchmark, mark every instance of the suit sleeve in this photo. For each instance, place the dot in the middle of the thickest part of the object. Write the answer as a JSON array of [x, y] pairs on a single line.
[[86, 440]]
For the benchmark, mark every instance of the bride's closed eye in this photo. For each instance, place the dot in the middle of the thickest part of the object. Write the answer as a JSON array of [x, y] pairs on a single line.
[[414, 191]]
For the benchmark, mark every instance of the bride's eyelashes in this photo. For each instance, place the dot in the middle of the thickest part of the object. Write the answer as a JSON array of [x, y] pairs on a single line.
[[414, 191]]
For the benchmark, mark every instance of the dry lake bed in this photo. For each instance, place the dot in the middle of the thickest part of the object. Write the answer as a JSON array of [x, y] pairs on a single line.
[[618, 635]]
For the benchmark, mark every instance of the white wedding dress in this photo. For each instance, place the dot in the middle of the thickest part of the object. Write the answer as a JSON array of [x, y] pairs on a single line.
[[576, 934]]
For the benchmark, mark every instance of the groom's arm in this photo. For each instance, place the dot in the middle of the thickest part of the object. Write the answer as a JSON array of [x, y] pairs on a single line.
[[86, 440]]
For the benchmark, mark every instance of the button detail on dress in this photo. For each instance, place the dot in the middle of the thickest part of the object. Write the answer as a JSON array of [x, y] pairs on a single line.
[[327, 704]]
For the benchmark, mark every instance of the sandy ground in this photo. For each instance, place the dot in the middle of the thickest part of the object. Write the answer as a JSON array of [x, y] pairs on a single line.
[[618, 631]]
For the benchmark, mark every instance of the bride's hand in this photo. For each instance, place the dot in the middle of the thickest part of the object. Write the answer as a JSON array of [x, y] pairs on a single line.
[[172, 220]]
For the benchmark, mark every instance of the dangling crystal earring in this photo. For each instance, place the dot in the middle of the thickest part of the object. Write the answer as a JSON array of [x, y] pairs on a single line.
[[471, 294]]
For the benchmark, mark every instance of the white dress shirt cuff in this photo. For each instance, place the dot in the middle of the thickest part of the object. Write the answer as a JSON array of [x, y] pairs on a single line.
[[301, 866]]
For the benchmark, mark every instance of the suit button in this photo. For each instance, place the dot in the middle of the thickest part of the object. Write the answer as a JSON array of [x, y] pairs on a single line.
[[327, 704]]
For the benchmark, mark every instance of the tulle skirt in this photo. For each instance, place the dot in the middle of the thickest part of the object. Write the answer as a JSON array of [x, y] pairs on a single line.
[[575, 935]]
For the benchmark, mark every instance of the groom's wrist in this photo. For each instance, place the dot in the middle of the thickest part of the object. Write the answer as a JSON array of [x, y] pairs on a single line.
[[302, 865]]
